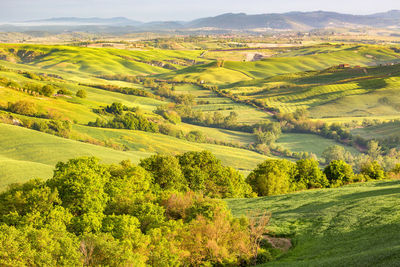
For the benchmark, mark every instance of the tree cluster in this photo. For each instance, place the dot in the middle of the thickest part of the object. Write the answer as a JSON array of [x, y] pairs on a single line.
[[159, 213], [274, 177]]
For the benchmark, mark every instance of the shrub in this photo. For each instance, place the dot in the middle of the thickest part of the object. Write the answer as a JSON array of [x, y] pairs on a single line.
[[338, 173], [23, 107], [272, 177], [47, 90], [373, 170], [309, 175], [81, 93], [64, 91]]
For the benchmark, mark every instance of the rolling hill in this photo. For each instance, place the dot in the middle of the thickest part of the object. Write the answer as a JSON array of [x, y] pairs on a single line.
[[356, 225], [296, 21]]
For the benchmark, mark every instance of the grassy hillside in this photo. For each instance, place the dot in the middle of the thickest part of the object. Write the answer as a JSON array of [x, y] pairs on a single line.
[[97, 60], [312, 143], [356, 225], [158, 143], [333, 92], [209, 102], [26, 154], [298, 60], [385, 130]]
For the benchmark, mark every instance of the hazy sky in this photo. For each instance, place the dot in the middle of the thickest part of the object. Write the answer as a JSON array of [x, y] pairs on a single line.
[[150, 10]]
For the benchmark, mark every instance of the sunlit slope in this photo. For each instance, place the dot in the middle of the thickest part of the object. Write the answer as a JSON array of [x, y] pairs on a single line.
[[298, 60], [380, 131], [333, 92], [25, 154], [98, 60], [357, 225], [157, 143], [209, 73], [312, 143]]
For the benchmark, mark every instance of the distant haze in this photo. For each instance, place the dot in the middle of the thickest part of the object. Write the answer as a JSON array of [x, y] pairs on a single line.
[[175, 10]]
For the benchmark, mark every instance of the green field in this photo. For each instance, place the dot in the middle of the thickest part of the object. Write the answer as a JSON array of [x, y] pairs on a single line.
[[334, 92], [307, 59], [381, 131], [28, 154], [157, 143], [209, 102], [357, 225], [290, 79], [311, 143], [96, 60]]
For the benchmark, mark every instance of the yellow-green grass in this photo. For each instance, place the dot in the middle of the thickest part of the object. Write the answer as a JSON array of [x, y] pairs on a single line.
[[210, 102], [298, 142], [99, 60], [157, 143], [358, 119], [381, 131], [26, 154], [356, 225], [58, 107], [329, 93], [291, 63], [208, 73], [77, 109], [317, 58], [220, 134]]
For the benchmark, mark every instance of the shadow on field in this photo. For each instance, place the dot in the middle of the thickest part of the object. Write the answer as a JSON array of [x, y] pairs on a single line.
[[374, 193]]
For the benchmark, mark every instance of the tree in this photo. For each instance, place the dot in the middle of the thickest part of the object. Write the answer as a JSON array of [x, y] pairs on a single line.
[[104, 250], [47, 90], [196, 136], [130, 189], [64, 91], [334, 152], [217, 242], [81, 93], [373, 170], [115, 108], [272, 177], [166, 171], [258, 222], [80, 183], [231, 120], [338, 173], [205, 173], [309, 175], [374, 150], [218, 118]]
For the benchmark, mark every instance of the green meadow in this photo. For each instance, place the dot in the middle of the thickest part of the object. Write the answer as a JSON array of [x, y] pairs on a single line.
[[311, 143], [355, 225]]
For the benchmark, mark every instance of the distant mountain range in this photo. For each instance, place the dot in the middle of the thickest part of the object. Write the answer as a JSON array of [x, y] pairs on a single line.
[[295, 21]]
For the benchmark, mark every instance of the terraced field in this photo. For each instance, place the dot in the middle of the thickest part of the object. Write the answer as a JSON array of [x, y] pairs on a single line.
[[210, 102], [298, 60], [334, 92]]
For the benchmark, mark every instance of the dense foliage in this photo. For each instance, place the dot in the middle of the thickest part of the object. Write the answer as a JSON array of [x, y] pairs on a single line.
[[274, 177], [90, 214]]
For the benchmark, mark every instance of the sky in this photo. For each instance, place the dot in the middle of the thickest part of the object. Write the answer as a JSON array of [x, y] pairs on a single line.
[[157, 10]]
